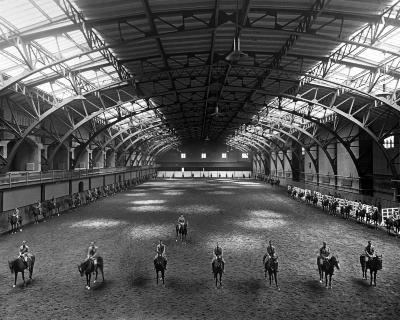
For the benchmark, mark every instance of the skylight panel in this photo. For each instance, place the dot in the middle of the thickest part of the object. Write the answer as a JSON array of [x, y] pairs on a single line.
[[49, 7], [372, 55], [15, 12]]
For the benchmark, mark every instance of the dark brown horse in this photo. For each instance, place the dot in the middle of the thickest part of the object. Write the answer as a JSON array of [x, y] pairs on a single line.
[[181, 231], [271, 266], [159, 265], [373, 265], [19, 265], [327, 267], [35, 211], [376, 217], [325, 204], [13, 221], [87, 267], [218, 269]]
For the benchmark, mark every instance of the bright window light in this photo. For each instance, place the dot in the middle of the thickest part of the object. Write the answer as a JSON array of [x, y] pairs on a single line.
[[183, 155], [203, 156], [224, 156], [245, 155], [388, 143]]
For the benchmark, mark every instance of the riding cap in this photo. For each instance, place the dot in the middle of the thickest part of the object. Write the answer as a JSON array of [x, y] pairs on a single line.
[[324, 242], [92, 243], [369, 241], [24, 242]]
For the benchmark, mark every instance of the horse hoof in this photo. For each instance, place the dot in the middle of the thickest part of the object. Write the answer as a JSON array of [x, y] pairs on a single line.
[[88, 288], [94, 281], [13, 285], [320, 281]]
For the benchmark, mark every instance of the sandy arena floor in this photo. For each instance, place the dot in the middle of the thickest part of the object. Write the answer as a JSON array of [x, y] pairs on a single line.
[[242, 216]]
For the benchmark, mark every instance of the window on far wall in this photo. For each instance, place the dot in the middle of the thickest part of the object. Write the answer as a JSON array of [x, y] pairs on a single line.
[[203, 156], [183, 155], [388, 143], [224, 156], [245, 155]]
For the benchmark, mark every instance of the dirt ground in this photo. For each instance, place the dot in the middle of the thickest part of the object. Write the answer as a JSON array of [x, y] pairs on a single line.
[[242, 216]]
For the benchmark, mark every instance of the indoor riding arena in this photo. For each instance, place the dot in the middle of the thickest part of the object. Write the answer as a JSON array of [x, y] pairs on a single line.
[[214, 159]]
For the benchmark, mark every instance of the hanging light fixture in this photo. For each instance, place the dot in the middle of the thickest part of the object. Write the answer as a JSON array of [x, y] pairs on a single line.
[[236, 53]]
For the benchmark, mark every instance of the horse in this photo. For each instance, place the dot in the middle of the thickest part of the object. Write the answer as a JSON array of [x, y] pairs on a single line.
[[332, 207], [376, 217], [35, 212], [373, 265], [54, 207], [159, 266], [394, 223], [19, 265], [389, 222], [360, 214], [327, 267], [315, 200], [217, 270], [181, 231], [87, 268], [308, 198], [15, 222], [347, 210], [271, 266], [325, 204]]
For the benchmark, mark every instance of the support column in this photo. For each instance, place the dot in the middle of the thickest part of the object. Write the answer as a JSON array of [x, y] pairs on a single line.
[[111, 159], [37, 158]]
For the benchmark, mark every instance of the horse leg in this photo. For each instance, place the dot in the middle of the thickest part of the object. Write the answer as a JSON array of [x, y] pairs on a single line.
[[88, 277], [162, 275], [157, 276], [370, 271], [326, 280], [220, 279], [321, 275], [23, 276], [15, 279], [276, 279], [375, 278]]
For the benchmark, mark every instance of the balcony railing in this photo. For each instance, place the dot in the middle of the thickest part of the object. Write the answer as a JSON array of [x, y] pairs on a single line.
[[19, 178]]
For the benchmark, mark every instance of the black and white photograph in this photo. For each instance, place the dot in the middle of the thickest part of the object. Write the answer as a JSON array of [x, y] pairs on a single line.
[[199, 159]]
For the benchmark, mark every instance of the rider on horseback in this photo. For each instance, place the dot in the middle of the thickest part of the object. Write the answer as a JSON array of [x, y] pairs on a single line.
[[161, 252], [93, 253], [39, 206], [369, 251], [16, 213], [271, 253], [23, 252], [324, 252], [218, 255], [181, 220]]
